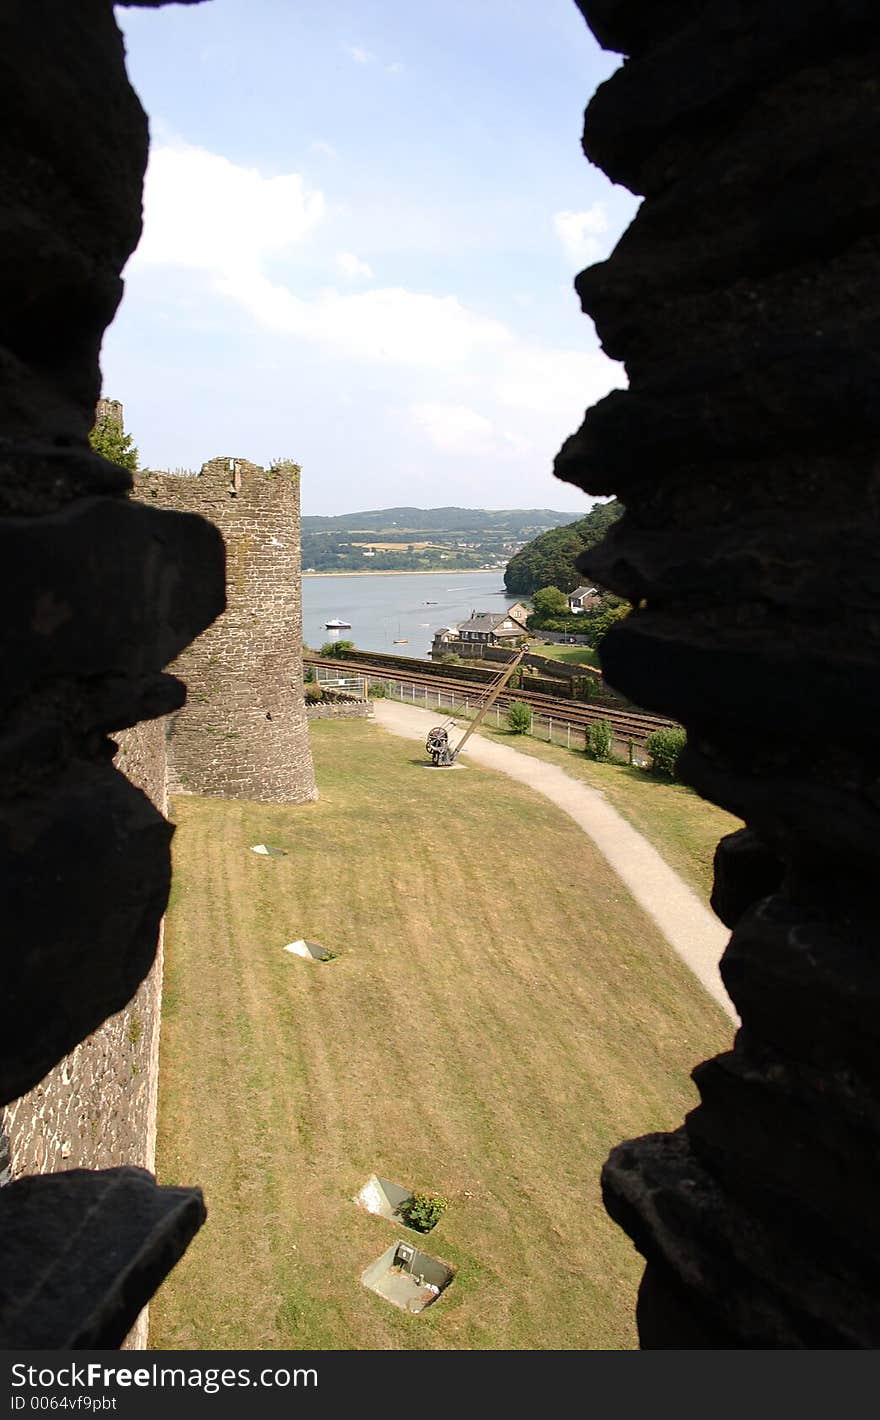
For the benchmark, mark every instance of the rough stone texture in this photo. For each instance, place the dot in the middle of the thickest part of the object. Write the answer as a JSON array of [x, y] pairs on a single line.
[[111, 412], [344, 710], [83, 1252], [243, 733], [67, 818], [97, 1108], [744, 300], [98, 594]]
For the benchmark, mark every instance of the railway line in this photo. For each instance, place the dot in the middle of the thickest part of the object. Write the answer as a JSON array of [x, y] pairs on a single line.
[[625, 724]]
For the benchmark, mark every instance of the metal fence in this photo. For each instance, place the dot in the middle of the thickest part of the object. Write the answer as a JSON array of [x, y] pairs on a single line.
[[552, 729]]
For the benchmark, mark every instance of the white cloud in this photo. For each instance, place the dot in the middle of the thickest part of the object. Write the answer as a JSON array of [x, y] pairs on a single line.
[[388, 325], [578, 232], [360, 56], [454, 428], [458, 429], [319, 146], [546, 381], [461, 381], [351, 266], [205, 212]]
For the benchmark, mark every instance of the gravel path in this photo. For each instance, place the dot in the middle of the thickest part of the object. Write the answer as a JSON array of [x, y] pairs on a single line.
[[689, 927]]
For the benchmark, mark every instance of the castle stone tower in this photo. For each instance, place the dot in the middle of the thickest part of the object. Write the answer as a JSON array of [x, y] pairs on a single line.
[[110, 411], [243, 732]]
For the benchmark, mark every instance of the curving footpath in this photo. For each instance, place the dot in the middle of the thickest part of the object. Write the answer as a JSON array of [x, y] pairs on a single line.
[[692, 931]]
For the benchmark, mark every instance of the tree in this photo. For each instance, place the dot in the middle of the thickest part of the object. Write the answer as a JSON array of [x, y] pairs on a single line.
[[607, 618], [600, 738], [665, 747], [337, 648], [108, 440], [519, 718], [549, 559], [550, 601]]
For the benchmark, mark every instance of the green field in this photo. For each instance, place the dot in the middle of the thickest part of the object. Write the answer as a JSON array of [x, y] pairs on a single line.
[[499, 1014], [684, 828], [573, 655]]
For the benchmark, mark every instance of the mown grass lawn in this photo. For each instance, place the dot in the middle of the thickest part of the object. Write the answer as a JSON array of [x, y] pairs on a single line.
[[499, 1015], [684, 828], [573, 655]]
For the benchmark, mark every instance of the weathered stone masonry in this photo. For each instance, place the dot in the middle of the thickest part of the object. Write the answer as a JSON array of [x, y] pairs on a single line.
[[243, 733], [99, 594], [744, 300], [97, 1108]]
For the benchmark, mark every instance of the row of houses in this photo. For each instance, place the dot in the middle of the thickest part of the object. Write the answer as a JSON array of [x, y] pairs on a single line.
[[504, 628]]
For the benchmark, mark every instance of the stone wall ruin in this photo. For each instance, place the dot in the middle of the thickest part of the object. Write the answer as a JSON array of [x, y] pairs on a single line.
[[243, 732], [744, 301], [99, 594]]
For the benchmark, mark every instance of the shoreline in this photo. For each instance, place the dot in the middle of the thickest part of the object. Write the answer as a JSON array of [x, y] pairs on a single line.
[[430, 572]]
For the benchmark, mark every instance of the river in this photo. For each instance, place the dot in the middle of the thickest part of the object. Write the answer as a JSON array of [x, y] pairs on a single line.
[[404, 607]]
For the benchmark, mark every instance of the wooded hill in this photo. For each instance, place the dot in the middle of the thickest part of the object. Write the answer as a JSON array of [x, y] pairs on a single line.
[[406, 520], [548, 560], [420, 539]]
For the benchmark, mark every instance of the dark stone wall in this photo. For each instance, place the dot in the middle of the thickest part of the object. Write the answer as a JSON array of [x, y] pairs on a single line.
[[744, 300], [344, 710], [99, 594], [97, 1108], [243, 733]]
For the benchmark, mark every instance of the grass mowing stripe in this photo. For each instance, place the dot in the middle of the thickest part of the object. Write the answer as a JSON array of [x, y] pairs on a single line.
[[484, 1031]]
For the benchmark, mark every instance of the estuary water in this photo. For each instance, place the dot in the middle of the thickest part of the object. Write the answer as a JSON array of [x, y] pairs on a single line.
[[401, 607]]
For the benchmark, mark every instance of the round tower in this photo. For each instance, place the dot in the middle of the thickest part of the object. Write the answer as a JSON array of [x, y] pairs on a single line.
[[110, 411], [243, 732]]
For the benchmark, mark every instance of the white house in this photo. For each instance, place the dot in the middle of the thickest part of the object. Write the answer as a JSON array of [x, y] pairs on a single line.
[[582, 599]]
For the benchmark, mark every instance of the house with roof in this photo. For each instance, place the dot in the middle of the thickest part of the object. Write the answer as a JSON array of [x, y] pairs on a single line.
[[492, 628], [583, 599]]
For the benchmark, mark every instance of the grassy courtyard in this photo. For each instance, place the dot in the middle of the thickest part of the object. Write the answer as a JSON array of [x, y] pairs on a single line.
[[499, 1014], [572, 655], [684, 828]]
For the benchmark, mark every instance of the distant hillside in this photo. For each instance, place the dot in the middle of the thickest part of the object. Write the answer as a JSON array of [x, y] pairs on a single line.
[[548, 560], [421, 539], [400, 520]]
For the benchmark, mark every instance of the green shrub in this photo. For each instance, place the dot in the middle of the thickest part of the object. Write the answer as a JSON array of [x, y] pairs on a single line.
[[423, 1211], [378, 690], [599, 740], [664, 748], [336, 648], [519, 718], [111, 443], [586, 688]]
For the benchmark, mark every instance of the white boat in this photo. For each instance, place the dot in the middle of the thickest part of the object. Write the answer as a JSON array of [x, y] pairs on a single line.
[[336, 625]]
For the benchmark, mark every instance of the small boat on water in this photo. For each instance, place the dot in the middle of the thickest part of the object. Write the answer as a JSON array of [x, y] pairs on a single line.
[[404, 642], [336, 625]]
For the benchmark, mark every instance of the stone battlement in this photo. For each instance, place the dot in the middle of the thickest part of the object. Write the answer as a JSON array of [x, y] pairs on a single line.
[[243, 731]]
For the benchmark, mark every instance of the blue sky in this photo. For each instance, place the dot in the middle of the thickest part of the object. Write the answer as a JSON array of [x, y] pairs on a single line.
[[362, 223]]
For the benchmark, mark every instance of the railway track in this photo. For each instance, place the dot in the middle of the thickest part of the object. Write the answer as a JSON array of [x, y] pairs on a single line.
[[626, 724]]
